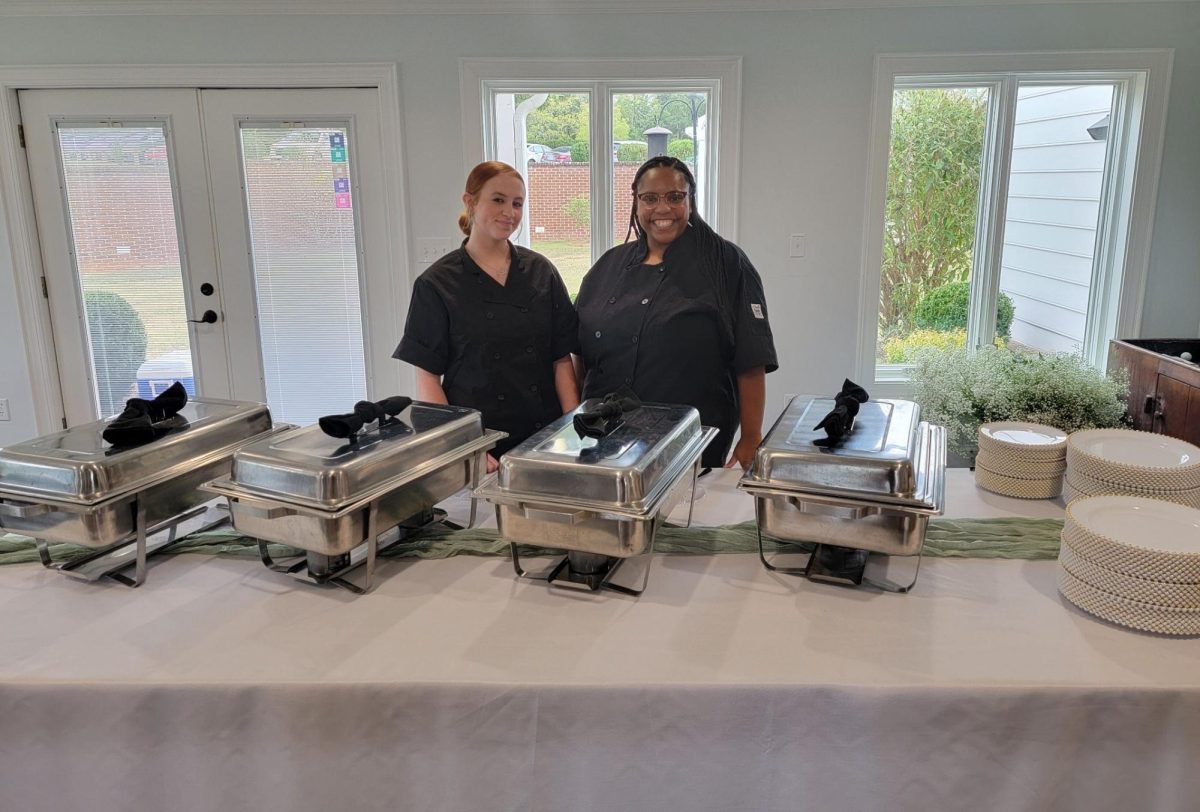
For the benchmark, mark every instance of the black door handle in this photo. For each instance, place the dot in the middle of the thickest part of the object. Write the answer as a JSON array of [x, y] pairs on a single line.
[[209, 317]]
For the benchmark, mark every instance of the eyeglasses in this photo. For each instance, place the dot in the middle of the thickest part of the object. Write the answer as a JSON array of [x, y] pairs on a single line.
[[672, 198]]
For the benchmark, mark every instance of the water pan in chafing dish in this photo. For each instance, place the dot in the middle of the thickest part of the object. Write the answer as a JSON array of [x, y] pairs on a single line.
[[602, 499], [74, 487], [873, 492], [329, 496]]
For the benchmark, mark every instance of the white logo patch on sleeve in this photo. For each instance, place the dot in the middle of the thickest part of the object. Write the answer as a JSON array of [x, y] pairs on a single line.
[[756, 309]]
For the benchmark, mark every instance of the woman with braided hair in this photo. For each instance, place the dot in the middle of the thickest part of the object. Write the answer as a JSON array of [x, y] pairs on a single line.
[[678, 315]]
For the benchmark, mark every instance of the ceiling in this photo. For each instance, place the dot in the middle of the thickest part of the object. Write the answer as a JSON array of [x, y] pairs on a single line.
[[43, 8]]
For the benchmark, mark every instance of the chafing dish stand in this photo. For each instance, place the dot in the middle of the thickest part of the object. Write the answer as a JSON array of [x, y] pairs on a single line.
[[602, 500], [127, 503], [873, 492], [343, 502]]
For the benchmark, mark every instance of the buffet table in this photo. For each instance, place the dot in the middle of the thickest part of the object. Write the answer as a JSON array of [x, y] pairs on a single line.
[[222, 686]]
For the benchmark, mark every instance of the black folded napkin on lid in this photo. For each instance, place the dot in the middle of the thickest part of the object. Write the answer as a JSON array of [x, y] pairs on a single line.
[[144, 421], [839, 422], [347, 426], [599, 418]]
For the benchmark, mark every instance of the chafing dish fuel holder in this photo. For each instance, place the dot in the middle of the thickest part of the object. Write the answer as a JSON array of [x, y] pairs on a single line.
[[74, 487], [335, 498], [874, 491], [601, 499]]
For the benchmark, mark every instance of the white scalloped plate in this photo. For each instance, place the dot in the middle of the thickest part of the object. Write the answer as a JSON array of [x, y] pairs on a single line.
[[1070, 493], [1019, 488], [1016, 437], [1136, 457], [1145, 564], [1142, 523], [1160, 593], [1126, 612], [1008, 465], [1084, 483]]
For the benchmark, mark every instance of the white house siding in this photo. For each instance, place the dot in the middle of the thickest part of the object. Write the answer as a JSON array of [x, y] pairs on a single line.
[[1053, 204]]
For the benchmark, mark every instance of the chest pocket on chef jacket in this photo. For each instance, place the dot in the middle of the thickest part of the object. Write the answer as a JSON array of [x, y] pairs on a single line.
[[692, 323]]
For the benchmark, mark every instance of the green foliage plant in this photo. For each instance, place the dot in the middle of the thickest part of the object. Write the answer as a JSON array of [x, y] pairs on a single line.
[[560, 120], [682, 148], [932, 191], [118, 339], [960, 390], [904, 349], [581, 153], [946, 306], [631, 153], [579, 210]]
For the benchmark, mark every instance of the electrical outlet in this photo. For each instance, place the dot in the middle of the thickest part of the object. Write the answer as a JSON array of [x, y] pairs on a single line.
[[4, 415], [796, 246]]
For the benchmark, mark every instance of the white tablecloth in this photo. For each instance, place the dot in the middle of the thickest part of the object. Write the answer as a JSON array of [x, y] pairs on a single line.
[[221, 685]]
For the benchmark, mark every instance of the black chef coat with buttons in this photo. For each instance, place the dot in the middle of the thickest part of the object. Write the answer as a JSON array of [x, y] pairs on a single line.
[[678, 332], [494, 345]]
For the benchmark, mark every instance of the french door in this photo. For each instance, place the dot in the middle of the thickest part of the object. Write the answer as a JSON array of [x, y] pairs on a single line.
[[229, 239]]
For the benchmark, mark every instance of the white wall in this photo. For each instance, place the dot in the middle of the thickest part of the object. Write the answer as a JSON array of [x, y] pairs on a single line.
[[806, 100]]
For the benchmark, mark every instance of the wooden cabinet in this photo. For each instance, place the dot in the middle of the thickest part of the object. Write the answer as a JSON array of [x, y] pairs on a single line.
[[1164, 390]]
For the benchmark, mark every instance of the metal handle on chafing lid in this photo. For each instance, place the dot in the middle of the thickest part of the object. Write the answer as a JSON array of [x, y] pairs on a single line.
[[833, 511], [22, 510], [559, 517], [274, 512]]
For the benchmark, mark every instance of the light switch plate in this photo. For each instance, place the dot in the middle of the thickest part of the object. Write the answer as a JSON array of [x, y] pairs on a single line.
[[4, 415], [797, 246]]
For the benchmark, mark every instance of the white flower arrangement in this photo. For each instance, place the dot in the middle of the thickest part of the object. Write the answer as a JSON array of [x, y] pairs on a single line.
[[960, 390]]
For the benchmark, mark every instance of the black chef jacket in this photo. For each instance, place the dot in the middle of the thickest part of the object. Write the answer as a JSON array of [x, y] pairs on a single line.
[[678, 332], [494, 345]]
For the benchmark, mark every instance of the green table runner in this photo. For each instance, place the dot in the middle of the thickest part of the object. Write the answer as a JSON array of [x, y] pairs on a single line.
[[946, 538]]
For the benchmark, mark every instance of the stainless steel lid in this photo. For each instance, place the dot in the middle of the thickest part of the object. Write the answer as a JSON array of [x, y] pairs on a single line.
[[308, 467], [77, 466], [885, 458], [625, 470]]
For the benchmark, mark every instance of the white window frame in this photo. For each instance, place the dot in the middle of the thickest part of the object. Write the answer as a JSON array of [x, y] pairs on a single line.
[[1126, 219], [720, 77]]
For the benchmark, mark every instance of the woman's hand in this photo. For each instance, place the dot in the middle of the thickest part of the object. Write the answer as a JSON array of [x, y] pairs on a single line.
[[493, 465], [743, 452], [752, 399]]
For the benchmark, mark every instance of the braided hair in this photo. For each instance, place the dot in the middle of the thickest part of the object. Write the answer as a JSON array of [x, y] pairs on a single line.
[[657, 161]]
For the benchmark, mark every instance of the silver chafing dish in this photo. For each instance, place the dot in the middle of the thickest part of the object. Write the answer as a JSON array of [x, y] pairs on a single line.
[[872, 492], [600, 499], [335, 498], [74, 487]]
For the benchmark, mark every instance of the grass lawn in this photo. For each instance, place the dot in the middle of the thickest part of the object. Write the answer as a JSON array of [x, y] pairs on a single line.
[[572, 258]]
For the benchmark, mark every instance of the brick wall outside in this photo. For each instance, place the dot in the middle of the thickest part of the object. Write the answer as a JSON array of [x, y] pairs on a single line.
[[553, 186], [121, 216], [122, 213], [122, 219]]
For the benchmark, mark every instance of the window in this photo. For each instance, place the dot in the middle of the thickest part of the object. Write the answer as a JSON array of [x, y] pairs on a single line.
[[579, 131], [1002, 204]]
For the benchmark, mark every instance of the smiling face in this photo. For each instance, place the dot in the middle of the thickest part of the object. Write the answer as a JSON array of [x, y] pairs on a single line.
[[497, 209], [663, 221]]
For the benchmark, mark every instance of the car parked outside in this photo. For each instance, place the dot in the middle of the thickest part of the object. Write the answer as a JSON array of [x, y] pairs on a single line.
[[559, 155], [536, 153]]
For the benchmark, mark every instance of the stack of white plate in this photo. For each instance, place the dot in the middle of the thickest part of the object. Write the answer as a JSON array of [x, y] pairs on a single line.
[[1025, 460], [1138, 463], [1133, 561]]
